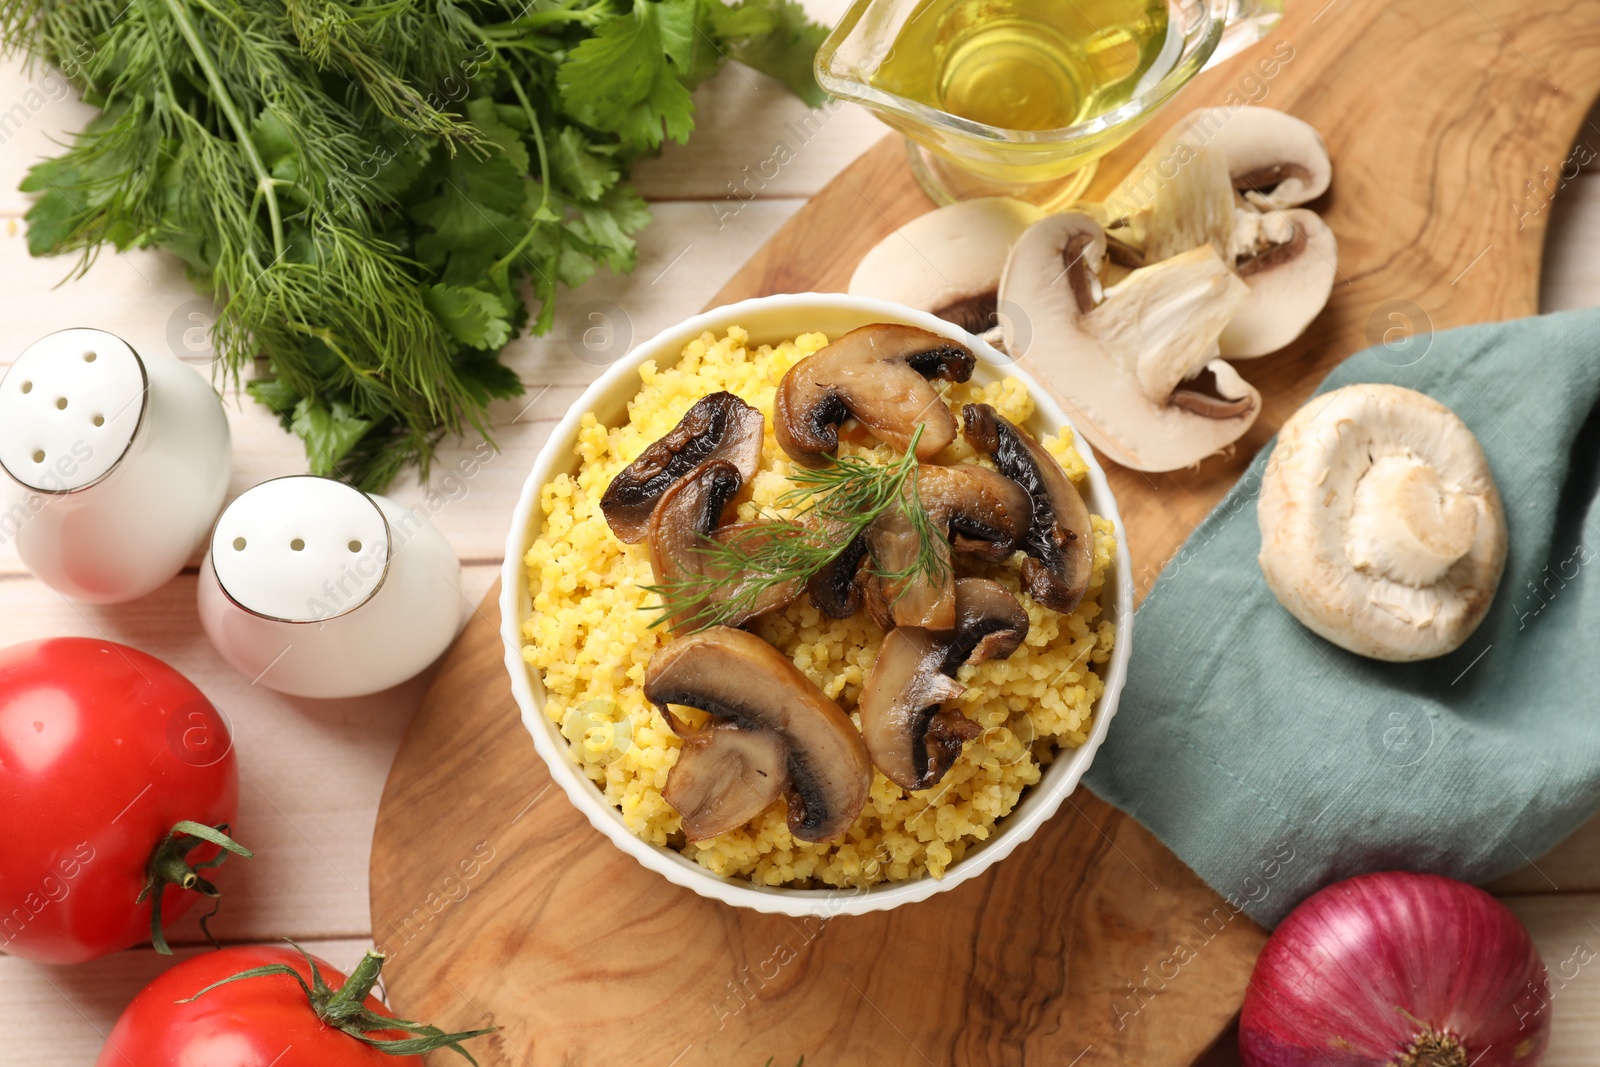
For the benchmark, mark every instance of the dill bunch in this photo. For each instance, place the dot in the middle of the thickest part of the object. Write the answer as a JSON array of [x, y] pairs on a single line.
[[815, 522], [371, 191]]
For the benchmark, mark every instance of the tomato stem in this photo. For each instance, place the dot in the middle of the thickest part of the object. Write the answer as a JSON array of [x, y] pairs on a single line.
[[346, 1009], [359, 985], [169, 865]]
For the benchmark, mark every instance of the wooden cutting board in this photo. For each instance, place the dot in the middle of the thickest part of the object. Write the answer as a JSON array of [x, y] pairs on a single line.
[[1450, 126]]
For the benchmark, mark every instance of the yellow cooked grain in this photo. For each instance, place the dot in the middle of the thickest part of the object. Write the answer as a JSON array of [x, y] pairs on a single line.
[[590, 638]]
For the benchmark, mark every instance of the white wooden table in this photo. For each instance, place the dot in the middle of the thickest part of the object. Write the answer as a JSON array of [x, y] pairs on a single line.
[[313, 770]]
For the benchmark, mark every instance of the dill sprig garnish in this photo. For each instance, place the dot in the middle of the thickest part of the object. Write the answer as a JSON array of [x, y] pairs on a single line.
[[814, 522]]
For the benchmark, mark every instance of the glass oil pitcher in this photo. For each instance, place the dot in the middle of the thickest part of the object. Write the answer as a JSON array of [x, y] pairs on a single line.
[[1021, 97]]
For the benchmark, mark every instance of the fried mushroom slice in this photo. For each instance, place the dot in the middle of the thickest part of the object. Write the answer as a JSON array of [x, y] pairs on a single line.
[[897, 590], [912, 737], [738, 678], [982, 512], [978, 510], [725, 776], [1060, 540], [882, 375], [837, 588], [686, 523], [718, 426]]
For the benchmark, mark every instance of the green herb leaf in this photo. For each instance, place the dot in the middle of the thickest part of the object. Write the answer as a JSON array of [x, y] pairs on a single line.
[[472, 316], [583, 173], [329, 431], [774, 37], [619, 80]]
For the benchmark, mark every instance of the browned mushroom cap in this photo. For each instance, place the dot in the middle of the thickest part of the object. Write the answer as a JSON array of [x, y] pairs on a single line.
[[990, 624], [981, 511], [687, 522], [1060, 541], [725, 776], [912, 737], [882, 375], [739, 678], [718, 426]]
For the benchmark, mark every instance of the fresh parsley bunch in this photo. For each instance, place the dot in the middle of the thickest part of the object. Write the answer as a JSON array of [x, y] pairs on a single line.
[[372, 190]]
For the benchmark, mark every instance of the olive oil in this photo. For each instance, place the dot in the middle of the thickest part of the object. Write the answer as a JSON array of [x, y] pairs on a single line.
[[1024, 64]]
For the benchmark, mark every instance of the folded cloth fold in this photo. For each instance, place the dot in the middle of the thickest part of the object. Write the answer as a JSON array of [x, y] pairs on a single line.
[[1273, 762]]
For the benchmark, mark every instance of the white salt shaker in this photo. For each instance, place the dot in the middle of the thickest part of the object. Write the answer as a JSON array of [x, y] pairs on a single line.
[[317, 589], [115, 464]]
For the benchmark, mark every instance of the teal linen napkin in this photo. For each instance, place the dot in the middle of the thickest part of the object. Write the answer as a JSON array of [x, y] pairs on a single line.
[[1273, 762]]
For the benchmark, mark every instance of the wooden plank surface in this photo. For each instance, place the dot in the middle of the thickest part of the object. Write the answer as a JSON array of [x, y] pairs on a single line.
[[323, 763]]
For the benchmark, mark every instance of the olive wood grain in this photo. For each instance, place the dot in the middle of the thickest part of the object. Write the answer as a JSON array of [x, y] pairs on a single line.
[[1092, 943]]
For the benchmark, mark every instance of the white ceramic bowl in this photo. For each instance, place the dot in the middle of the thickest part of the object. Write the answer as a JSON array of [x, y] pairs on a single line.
[[769, 320]]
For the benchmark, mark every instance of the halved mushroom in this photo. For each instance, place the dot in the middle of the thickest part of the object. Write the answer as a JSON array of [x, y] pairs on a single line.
[[687, 524], [725, 776], [948, 261], [1286, 254], [1381, 527], [990, 624], [912, 737], [1275, 160], [1135, 364], [1227, 177], [1060, 539], [738, 678], [881, 375], [1289, 260], [718, 426]]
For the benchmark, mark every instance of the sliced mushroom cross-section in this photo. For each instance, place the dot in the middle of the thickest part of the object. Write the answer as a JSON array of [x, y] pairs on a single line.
[[685, 529], [1060, 540], [912, 736], [1127, 361], [979, 511], [882, 376], [903, 589], [718, 426], [741, 680], [948, 261], [725, 776]]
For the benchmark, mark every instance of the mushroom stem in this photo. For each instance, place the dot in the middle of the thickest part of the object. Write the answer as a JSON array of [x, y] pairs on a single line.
[[1407, 525]]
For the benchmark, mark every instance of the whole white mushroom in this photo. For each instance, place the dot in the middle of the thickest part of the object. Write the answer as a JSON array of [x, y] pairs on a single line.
[[1381, 527]]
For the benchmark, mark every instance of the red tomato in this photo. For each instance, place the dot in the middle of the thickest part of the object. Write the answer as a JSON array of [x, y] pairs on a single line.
[[103, 749], [264, 1021]]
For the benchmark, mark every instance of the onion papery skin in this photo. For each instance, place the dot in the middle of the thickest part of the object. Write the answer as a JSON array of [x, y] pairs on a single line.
[[1362, 969]]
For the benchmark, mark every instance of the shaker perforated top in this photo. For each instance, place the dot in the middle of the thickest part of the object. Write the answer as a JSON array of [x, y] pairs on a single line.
[[69, 408], [301, 549]]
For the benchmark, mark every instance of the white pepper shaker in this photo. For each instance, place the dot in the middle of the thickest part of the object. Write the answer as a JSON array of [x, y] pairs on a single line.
[[317, 589], [115, 464]]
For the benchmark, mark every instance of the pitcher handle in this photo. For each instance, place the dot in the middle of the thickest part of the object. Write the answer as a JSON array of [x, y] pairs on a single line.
[[1248, 22]]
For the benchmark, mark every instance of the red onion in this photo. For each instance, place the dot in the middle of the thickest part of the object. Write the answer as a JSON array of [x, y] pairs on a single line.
[[1397, 970]]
